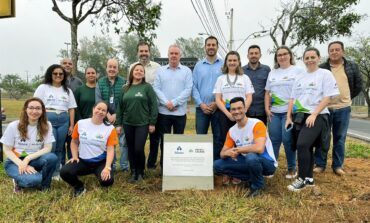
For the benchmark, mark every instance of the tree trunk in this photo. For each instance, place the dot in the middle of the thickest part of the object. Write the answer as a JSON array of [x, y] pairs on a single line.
[[74, 47], [367, 98]]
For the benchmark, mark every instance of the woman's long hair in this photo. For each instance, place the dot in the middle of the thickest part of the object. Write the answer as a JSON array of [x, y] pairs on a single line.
[[42, 123], [225, 69], [48, 78], [131, 77]]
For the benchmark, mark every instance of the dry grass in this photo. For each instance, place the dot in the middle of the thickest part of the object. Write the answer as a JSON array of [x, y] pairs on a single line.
[[334, 199]]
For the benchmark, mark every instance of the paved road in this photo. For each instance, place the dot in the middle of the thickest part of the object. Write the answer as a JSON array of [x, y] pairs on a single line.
[[359, 128]]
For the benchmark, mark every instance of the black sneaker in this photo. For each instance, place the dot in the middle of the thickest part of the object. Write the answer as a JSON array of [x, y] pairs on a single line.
[[140, 178], [254, 193], [79, 191], [133, 178], [309, 182], [297, 185]]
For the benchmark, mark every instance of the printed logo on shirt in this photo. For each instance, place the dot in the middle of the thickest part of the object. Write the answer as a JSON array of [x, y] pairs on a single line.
[[39, 138], [276, 101], [83, 135], [51, 96], [99, 136], [138, 94], [298, 107]]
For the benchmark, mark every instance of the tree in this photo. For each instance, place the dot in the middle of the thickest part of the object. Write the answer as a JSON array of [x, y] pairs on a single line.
[[128, 47], [142, 17], [15, 86], [96, 52], [360, 53], [302, 22], [36, 81], [191, 47]]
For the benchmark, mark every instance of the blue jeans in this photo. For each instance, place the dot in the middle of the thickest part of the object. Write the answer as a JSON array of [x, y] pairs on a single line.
[[60, 124], [202, 122], [279, 135], [45, 166], [123, 161], [339, 121], [251, 167]]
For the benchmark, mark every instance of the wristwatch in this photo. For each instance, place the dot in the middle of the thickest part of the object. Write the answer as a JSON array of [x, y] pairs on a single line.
[[109, 168]]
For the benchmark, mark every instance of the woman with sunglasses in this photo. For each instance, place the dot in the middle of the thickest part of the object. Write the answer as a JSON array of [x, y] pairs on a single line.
[[60, 108], [27, 144]]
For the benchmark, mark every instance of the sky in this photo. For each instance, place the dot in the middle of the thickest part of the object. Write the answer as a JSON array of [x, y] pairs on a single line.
[[31, 41]]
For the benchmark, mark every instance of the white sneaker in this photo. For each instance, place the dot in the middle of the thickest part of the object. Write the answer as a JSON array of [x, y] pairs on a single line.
[[56, 178], [291, 174]]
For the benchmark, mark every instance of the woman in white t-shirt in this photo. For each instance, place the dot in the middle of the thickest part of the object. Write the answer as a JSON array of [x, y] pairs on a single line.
[[233, 83], [27, 144], [278, 91], [311, 93], [92, 147], [60, 108]]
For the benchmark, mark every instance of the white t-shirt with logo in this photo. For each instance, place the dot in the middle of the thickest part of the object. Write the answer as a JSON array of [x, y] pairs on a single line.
[[240, 88], [55, 97], [310, 88], [24, 147], [94, 140], [280, 83]]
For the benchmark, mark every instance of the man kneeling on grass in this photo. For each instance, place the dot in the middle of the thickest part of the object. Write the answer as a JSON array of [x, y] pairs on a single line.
[[247, 153]]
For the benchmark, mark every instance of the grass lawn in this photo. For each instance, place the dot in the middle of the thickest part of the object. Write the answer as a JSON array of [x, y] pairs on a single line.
[[334, 199]]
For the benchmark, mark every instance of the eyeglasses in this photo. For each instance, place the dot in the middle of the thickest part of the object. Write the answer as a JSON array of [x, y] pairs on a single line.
[[58, 74], [282, 54], [35, 108]]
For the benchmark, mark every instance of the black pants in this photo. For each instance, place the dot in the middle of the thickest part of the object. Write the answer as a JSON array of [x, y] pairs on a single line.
[[136, 138], [225, 125], [70, 171], [168, 122], [155, 139], [306, 138]]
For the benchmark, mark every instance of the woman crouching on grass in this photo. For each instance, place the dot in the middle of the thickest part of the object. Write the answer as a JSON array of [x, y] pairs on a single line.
[[92, 146], [27, 144]]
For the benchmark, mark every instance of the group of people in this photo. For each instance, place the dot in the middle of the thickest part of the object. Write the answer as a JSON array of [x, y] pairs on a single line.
[[252, 110]]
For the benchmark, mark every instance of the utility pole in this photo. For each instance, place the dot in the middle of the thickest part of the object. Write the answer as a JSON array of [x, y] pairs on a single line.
[[67, 44], [27, 75], [230, 16]]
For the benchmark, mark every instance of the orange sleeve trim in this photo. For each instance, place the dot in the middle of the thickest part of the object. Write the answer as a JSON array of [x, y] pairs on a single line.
[[112, 139], [259, 130], [75, 134], [17, 154], [229, 142]]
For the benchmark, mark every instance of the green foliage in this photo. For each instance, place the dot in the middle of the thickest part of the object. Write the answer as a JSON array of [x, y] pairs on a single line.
[[360, 53], [15, 86], [191, 47], [302, 22], [95, 53], [358, 150], [142, 17], [127, 47]]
